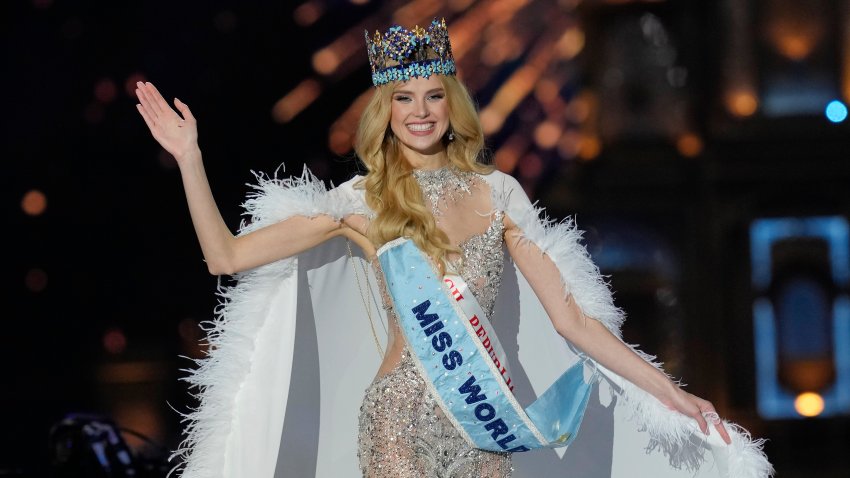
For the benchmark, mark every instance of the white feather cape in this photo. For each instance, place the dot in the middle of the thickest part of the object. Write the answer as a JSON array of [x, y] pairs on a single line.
[[292, 352]]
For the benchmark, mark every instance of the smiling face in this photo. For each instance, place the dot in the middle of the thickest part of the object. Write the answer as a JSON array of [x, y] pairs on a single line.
[[420, 119]]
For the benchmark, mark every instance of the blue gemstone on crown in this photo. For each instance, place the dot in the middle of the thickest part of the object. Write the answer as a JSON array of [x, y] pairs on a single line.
[[401, 54]]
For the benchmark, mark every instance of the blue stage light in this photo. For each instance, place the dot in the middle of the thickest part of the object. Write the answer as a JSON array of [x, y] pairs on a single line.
[[836, 111]]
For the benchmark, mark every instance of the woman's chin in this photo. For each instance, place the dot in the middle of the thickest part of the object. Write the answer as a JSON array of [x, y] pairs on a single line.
[[425, 148]]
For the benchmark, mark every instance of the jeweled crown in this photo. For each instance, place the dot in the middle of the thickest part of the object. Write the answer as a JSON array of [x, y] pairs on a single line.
[[401, 54]]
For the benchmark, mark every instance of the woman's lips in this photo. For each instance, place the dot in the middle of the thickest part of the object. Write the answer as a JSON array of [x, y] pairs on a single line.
[[420, 129]]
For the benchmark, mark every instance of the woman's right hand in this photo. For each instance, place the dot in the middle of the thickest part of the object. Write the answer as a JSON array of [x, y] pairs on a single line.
[[175, 133]]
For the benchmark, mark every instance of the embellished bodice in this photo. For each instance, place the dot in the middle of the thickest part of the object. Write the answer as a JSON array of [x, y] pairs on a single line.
[[403, 430], [456, 199], [482, 262]]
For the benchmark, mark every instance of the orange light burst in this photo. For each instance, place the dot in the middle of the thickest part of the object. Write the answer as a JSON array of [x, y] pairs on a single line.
[[308, 13], [589, 148], [571, 43], [296, 100], [34, 202], [507, 157], [689, 145], [547, 134], [742, 103]]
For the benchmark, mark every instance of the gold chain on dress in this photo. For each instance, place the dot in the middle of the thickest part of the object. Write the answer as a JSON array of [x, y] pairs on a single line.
[[363, 297]]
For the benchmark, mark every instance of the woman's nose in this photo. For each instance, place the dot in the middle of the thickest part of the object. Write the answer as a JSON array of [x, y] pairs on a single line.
[[421, 110]]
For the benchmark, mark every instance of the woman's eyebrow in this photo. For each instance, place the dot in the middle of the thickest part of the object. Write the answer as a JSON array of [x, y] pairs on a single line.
[[407, 92]]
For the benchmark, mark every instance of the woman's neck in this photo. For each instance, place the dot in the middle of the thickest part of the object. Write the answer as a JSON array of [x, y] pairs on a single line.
[[426, 162]]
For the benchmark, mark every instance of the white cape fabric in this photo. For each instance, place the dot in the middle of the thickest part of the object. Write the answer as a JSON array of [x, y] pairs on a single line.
[[292, 351]]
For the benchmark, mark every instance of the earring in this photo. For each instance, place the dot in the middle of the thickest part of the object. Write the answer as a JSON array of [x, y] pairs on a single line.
[[451, 135]]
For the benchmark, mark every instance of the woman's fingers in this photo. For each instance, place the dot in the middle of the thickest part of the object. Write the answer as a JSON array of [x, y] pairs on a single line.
[[147, 100], [145, 116], [708, 415], [183, 108], [702, 411], [698, 416], [158, 100], [724, 434]]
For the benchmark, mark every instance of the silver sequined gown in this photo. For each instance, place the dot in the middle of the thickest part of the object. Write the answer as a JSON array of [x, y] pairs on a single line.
[[402, 431]]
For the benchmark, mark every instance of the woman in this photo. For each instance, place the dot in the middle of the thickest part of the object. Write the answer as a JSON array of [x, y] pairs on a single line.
[[420, 140]]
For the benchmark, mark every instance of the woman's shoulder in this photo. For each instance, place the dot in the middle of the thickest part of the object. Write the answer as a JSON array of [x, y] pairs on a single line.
[[499, 182], [507, 194]]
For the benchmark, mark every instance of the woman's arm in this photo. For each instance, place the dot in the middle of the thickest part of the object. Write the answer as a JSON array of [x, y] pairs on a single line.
[[223, 252], [593, 337]]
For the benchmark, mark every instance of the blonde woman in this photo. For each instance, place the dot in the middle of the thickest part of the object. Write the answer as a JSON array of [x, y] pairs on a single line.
[[420, 140]]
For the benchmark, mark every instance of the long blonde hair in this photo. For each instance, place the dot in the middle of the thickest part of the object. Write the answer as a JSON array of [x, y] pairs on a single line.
[[391, 189]]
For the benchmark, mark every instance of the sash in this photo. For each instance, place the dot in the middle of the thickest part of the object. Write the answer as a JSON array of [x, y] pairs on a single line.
[[460, 293], [457, 353]]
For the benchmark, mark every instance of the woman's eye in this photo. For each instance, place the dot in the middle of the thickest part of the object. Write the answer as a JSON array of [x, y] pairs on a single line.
[[402, 98], [436, 97]]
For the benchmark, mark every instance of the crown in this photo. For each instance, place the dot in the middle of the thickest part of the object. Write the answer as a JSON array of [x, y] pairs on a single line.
[[401, 54]]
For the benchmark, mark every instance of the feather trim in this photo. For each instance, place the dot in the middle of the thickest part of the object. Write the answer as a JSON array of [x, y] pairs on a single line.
[[216, 380], [561, 241], [674, 434]]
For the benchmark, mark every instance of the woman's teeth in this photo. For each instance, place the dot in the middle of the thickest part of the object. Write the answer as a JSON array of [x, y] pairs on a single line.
[[420, 127]]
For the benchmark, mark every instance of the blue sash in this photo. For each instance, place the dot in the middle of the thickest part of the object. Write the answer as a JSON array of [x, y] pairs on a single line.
[[469, 387]]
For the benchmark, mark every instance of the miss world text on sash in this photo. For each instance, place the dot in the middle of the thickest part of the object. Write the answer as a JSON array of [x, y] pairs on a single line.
[[462, 372]]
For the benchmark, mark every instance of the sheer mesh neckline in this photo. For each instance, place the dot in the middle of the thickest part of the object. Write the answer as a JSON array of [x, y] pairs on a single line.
[[443, 186]]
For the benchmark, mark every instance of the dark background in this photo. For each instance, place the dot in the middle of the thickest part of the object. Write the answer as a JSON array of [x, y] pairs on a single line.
[[654, 123]]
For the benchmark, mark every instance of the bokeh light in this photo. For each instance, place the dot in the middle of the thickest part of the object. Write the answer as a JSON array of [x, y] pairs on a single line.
[[114, 341], [130, 83], [742, 103], [590, 148], [307, 14], [689, 145], [36, 280], [34, 202], [296, 100], [325, 61], [105, 90], [546, 134], [809, 404], [570, 44], [546, 90], [836, 111]]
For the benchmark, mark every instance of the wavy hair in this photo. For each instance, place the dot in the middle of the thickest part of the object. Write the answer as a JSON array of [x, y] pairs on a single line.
[[391, 190]]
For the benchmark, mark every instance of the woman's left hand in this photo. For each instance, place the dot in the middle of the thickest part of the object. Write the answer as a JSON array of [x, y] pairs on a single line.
[[697, 408], [176, 133]]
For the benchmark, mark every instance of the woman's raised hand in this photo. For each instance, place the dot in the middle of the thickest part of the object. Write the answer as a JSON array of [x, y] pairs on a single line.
[[176, 133]]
